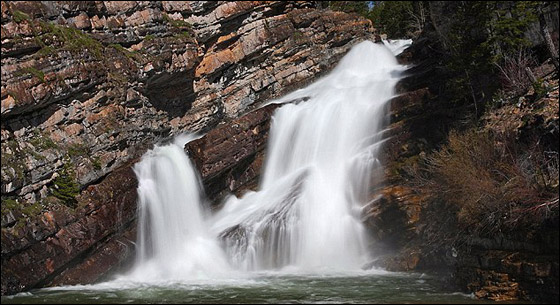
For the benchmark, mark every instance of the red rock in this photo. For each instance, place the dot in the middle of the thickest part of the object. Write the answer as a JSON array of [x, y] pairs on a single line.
[[217, 153]]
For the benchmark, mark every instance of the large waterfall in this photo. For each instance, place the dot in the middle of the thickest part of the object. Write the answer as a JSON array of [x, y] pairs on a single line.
[[305, 216]]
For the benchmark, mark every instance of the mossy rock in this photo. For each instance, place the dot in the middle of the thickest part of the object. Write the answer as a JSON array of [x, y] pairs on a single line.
[[68, 39], [19, 16]]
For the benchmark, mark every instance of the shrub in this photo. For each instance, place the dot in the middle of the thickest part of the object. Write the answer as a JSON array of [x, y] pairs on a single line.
[[496, 183], [65, 186], [513, 71]]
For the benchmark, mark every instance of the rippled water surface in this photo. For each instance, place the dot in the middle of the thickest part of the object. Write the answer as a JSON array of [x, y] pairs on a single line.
[[264, 288]]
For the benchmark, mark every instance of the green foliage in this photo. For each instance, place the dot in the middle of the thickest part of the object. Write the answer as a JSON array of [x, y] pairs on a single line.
[[181, 24], [182, 29], [298, 36], [13, 159], [19, 16], [183, 35], [33, 71], [508, 25], [9, 204], [117, 77], [357, 7], [127, 53], [476, 35], [540, 89], [475, 41], [65, 186], [96, 163], [42, 141], [32, 209], [78, 150], [394, 18], [469, 54], [72, 39]]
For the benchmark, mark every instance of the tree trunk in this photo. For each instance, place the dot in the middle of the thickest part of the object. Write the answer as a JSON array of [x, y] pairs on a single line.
[[548, 39], [530, 75]]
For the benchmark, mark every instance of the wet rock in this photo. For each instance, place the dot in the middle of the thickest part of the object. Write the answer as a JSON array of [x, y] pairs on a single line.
[[230, 156]]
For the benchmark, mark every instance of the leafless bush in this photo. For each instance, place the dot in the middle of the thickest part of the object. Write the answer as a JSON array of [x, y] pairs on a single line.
[[418, 14], [513, 71], [496, 183]]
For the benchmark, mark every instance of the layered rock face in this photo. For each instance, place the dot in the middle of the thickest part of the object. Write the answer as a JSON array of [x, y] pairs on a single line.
[[87, 87], [230, 157]]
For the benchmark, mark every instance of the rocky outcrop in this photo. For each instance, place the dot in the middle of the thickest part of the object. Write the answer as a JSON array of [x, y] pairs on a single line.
[[229, 158], [87, 87], [40, 247]]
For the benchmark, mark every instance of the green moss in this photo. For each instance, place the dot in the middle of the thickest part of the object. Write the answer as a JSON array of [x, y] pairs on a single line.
[[14, 159], [96, 163], [33, 71], [127, 53], [38, 156], [184, 34], [117, 78], [540, 89], [298, 36], [77, 150], [36, 72], [71, 39], [14, 95], [65, 186], [19, 225], [19, 16], [402, 166], [176, 23], [42, 141], [32, 210], [149, 37], [9, 205], [45, 50]]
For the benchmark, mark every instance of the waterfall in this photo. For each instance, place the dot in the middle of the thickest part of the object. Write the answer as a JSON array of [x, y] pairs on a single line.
[[305, 216], [320, 158], [397, 46], [174, 242]]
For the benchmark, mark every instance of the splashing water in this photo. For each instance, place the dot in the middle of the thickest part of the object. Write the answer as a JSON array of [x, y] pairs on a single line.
[[305, 217], [397, 46]]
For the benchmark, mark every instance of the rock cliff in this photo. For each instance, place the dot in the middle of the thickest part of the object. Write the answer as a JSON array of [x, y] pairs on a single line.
[[88, 86]]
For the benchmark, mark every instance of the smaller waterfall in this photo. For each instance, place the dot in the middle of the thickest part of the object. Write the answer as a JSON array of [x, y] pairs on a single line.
[[173, 239]]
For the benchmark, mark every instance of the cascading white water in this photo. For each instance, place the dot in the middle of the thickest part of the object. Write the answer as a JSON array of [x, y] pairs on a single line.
[[320, 157], [306, 214], [397, 46], [173, 238]]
